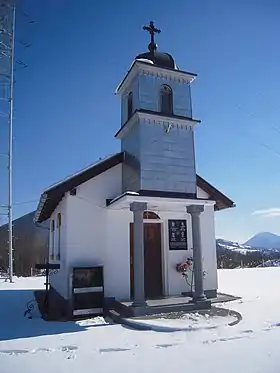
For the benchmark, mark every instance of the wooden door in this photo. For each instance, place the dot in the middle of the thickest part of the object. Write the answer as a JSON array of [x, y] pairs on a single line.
[[152, 260]]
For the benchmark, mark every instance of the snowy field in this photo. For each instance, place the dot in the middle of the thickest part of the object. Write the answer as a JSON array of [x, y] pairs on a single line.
[[250, 346]]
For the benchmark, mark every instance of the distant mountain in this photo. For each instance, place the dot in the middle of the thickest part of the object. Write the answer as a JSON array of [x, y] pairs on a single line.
[[30, 243], [223, 245], [264, 240], [231, 254]]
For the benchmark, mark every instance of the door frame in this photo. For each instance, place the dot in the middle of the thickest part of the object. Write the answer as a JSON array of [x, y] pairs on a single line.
[[164, 267], [164, 252]]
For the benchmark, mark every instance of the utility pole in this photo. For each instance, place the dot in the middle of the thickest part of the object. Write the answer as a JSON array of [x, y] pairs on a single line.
[[10, 148], [7, 49], [7, 81]]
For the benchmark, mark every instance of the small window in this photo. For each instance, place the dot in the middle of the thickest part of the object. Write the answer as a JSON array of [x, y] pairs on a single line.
[[58, 235], [166, 99], [129, 105], [52, 241]]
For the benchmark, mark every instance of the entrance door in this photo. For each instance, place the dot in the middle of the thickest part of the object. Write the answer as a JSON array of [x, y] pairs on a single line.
[[152, 260]]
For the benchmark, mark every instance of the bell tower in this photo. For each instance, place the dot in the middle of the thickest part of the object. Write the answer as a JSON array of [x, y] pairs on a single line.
[[157, 127]]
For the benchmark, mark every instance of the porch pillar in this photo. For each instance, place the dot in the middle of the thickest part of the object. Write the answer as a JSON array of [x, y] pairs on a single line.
[[138, 209], [195, 211]]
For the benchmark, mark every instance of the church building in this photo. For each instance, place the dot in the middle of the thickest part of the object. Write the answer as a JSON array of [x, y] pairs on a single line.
[[141, 213]]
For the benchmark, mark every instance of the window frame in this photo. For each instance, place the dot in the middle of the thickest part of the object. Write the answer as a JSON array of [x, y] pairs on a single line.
[[58, 225], [166, 96], [129, 105], [52, 239]]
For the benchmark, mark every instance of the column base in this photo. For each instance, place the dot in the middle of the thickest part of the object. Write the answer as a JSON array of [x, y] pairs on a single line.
[[139, 303], [199, 298]]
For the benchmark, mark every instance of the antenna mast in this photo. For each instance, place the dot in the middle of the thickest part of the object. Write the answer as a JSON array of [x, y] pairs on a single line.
[[7, 47], [7, 70], [10, 149]]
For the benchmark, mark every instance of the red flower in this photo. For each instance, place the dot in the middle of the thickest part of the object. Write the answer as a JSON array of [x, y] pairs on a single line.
[[183, 267]]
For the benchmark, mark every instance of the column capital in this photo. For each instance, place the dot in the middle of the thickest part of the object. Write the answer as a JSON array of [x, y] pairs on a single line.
[[195, 209], [138, 206]]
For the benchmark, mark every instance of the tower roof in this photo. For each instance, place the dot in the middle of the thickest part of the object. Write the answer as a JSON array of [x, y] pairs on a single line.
[[160, 59]]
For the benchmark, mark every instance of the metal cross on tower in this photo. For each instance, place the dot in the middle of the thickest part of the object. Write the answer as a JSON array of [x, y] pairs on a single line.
[[152, 31]]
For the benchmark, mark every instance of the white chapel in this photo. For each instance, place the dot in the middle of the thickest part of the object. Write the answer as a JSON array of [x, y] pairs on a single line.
[[141, 212]]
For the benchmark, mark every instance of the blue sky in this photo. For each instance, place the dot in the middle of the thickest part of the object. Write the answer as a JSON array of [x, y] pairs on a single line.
[[66, 112]]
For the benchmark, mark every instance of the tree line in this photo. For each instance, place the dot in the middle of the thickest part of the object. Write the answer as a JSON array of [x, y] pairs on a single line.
[[234, 259]]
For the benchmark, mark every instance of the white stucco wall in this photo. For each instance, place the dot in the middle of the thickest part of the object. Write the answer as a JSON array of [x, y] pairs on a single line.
[[97, 235], [174, 283], [88, 229], [201, 193], [117, 271], [59, 279], [118, 253], [208, 239]]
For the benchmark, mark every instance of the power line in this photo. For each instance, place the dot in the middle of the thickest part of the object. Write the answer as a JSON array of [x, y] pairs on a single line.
[[26, 202]]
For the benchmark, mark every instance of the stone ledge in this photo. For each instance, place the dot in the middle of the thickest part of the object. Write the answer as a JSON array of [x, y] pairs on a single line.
[[137, 324], [160, 306]]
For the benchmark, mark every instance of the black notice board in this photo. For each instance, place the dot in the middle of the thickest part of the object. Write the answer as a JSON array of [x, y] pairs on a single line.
[[177, 230]]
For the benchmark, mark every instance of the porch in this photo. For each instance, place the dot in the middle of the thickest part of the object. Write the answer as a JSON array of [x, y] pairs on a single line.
[[158, 245], [161, 305]]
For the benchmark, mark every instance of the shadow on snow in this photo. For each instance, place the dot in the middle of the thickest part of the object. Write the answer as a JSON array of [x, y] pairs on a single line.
[[13, 324]]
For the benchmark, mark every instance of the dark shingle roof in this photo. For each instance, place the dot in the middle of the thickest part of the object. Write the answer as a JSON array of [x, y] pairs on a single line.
[[51, 197], [160, 59]]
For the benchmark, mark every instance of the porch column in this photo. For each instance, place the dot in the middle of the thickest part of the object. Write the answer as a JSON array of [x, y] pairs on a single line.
[[195, 211], [138, 209]]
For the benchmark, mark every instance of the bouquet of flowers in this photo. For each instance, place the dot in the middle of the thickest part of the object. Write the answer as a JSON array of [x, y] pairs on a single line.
[[185, 267]]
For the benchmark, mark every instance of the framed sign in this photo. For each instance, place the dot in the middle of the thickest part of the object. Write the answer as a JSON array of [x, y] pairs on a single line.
[[85, 277], [177, 230], [87, 291]]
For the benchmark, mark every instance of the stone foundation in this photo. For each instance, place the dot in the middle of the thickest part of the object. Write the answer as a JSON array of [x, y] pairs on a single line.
[[208, 293]]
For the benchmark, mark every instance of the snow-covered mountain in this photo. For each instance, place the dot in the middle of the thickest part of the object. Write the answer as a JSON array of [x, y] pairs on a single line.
[[223, 245], [264, 240], [231, 254]]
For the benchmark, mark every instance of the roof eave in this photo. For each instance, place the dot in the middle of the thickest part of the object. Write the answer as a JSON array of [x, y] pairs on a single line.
[[58, 191], [140, 112], [216, 194], [191, 76], [224, 207], [44, 212], [43, 199]]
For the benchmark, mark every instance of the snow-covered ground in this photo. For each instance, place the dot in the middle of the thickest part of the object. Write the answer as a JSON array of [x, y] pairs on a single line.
[[251, 346]]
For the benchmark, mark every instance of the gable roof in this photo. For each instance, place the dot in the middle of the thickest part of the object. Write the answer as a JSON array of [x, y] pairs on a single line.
[[51, 197], [222, 201]]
